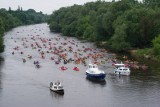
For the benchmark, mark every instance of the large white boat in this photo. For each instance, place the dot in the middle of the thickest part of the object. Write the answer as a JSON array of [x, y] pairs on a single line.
[[94, 73], [57, 87], [121, 69]]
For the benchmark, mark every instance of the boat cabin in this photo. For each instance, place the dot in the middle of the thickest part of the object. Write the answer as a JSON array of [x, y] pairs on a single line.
[[117, 65]]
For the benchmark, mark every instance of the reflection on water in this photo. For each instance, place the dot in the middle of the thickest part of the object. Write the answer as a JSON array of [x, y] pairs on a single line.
[[56, 95], [1, 74], [120, 79], [93, 81]]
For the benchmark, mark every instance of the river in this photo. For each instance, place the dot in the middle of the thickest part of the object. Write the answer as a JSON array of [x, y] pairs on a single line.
[[24, 85]]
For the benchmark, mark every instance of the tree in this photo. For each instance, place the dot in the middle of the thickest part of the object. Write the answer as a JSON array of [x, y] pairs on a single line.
[[122, 24], [10, 19], [1, 27], [1, 36], [55, 27], [10, 10], [156, 45], [118, 41], [152, 3]]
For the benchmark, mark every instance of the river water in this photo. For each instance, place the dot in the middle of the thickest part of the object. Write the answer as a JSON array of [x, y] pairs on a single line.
[[24, 85]]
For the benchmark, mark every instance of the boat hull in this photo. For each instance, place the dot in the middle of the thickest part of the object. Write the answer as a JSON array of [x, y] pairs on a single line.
[[96, 76], [58, 91], [127, 73]]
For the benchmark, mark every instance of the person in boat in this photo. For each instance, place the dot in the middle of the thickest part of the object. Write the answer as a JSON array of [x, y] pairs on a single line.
[[76, 69], [52, 58], [29, 56], [65, 61], [34, 62], [37, 65], [59, 59], [24, 60], [57, 62], [43, 57], [63, 68], [37, 62], [21, 52]]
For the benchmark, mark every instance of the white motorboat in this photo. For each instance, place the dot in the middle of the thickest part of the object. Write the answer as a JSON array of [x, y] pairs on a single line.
[[94, 73], [121, 69], [57, 87]]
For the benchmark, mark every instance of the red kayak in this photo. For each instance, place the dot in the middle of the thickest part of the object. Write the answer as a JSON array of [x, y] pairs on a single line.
[[76, 69], [57, 62], [63, 68]]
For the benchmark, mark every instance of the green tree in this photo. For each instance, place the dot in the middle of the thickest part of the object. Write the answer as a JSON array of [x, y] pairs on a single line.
[[118, 41], [10, 19], [156, 46]]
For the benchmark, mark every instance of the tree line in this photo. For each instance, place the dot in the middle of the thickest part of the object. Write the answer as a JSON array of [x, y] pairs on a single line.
[[13, 18], [119, 25]]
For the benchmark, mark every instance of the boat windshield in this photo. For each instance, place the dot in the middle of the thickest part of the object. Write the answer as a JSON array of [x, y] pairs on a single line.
[[119, 65], [90, 66], [94, 66]]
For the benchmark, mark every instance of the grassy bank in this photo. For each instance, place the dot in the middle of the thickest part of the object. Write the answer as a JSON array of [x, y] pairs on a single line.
[[145, 54]]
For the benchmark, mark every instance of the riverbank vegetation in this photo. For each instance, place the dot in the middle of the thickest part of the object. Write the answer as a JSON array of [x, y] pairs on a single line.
[[150, 53], [118, 25], [13, 18]]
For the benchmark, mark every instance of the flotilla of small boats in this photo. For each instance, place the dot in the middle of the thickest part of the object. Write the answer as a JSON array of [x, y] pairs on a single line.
[[65, 51]]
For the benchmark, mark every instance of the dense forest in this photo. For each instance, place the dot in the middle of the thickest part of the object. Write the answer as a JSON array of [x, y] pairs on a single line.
[[118, 25], [13, 18]]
